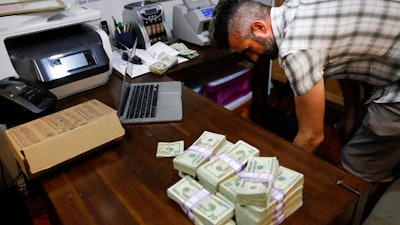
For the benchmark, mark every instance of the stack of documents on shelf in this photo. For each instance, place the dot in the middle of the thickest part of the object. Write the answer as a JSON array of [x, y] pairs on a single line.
[[258, 188]]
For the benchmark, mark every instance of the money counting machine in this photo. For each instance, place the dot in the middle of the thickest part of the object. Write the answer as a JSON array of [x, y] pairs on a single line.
[[191, 20], [148, 23], [57, 50]]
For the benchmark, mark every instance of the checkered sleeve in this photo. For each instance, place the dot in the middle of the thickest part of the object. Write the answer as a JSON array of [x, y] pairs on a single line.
[[304, 68]]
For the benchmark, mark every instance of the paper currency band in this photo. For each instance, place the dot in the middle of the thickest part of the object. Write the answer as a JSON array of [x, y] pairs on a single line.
[[257, 176], [231, 162], [278, 196], [194, 200], [279, 217], [168, 65], [208, 153]]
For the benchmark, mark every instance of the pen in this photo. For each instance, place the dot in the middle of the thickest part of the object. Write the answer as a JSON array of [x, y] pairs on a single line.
[[342, 184], [115, 23], [127, 29]]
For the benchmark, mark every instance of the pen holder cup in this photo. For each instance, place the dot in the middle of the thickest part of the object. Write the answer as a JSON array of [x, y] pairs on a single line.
[[122, 39]]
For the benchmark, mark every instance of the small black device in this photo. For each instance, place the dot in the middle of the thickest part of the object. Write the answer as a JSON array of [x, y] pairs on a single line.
[[22, 100], [104, 26]]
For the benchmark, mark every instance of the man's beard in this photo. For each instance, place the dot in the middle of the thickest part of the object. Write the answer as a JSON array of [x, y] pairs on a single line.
[[271, 49]]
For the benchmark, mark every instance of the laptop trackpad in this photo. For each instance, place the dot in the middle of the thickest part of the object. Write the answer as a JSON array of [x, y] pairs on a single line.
[[170, 105]]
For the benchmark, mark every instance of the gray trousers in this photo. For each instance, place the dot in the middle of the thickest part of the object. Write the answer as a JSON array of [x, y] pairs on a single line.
[[373, 153]]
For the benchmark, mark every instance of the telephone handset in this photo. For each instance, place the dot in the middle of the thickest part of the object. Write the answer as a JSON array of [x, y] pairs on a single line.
[[26, 94]]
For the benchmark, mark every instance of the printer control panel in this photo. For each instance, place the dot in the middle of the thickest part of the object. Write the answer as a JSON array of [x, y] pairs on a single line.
[[62, 65]]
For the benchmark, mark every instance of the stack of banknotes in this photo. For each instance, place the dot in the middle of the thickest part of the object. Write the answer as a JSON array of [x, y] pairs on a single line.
[[233, 175], [199, 204], [256, 183], [285, 198], [163, 64], [199, 152], [184, 50], [225, 165]]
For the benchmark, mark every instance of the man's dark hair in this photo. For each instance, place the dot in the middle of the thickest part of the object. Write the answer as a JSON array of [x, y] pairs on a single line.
[[218, 27], [235, 16]]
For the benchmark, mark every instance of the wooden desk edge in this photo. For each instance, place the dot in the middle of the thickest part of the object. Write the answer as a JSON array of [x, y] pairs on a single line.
[[359, 188]]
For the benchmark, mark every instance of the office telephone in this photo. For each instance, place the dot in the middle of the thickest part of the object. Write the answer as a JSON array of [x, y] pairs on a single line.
[[16, 91]]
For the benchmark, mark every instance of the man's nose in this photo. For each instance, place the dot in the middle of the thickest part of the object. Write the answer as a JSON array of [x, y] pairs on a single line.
[[253, 57]]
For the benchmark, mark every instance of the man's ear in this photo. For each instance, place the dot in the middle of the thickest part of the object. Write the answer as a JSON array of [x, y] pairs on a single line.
[[259, 26]]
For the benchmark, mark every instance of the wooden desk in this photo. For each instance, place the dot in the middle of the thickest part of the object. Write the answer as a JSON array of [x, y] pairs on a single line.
[[124, 183]]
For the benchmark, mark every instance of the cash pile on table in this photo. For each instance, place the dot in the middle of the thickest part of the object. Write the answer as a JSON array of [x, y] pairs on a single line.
[[225, 175], [198, 203], [285, 198], [225, 165], [184, 50], [163, 64], [199, 152], [256, 183]]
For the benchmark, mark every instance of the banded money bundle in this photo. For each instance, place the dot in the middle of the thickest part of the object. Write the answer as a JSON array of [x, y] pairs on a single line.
[[257, 179], [199, 152], [259, 190], [199, 204], [225, 165], [286, 198], [163, 64]]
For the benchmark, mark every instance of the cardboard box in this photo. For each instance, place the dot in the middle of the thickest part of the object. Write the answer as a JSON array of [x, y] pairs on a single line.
[[50, 140]]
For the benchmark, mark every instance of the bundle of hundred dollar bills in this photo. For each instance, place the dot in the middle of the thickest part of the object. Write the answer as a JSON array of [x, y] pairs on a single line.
[[218, 173]]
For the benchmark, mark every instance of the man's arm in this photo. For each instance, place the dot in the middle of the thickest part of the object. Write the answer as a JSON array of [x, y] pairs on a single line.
[[310, 111], [351, 99]]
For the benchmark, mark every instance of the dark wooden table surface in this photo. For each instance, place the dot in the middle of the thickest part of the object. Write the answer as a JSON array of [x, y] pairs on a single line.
[[124, 182]]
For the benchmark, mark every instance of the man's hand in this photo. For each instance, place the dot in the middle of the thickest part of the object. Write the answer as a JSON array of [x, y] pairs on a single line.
[[310, 111]]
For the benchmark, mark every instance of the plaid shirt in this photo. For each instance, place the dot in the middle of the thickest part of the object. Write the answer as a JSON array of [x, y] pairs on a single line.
[[337, 39]]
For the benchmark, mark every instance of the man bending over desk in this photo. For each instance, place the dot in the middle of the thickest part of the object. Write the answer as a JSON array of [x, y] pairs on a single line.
[[355, 40]]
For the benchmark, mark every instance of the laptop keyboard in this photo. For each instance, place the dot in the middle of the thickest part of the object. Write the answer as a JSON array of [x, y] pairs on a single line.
[[144, 101]]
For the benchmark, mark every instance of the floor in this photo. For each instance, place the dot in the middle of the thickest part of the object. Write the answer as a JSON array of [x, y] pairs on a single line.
[[329, 150]]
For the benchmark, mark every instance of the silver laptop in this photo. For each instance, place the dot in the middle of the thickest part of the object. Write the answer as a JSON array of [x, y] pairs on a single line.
[[149, 102]]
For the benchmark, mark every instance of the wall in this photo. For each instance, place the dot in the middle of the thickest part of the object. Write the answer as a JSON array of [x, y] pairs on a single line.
[[115, 7]]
